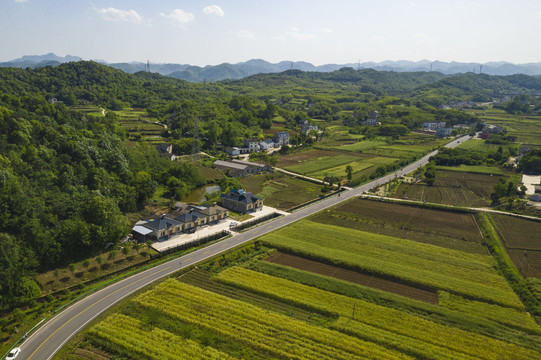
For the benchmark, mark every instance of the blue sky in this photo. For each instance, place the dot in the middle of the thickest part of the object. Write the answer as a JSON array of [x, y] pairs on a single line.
[[320, 32]]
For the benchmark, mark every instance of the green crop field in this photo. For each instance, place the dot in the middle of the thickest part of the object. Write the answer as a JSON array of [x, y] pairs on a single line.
[[489, 170], [321, 163], [452, 230], [527, 128], [521, 241], [271, 333], [281, 191], [415, 263], [478, 145], [408, 333], [484, 318], [452, 188]]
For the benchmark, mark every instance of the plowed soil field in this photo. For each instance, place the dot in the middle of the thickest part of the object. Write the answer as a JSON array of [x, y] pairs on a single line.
[[300, 263]]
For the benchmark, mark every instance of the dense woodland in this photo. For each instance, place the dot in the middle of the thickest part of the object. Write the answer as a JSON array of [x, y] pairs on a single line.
[[68, 180]]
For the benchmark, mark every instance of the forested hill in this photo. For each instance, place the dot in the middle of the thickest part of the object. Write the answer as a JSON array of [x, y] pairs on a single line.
[[364, 81], [476, 87], [68, 179], [91, 82]]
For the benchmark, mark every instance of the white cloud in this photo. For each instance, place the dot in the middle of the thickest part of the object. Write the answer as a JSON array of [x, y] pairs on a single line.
[[424, 39], [326, 30], [179, 17], [113, 14], [21, 1], [295, 34], [213, 10], [245, 34], [378, 39], [468, 4], [412, 4], [539, 14]]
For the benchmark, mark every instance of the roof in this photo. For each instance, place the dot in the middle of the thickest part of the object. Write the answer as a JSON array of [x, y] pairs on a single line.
[[241, 196], [247, 163], [229, 164], [282, 133], [162, 223], [185, 218], [141, 230]]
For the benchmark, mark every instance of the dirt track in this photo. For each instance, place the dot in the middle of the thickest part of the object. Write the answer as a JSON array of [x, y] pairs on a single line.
[[353, 277]]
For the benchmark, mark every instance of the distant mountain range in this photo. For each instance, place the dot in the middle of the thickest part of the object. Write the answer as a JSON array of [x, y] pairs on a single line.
[[257, 66]]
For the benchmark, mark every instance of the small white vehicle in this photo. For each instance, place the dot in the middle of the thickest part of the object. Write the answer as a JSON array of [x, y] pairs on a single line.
[[13, 353]]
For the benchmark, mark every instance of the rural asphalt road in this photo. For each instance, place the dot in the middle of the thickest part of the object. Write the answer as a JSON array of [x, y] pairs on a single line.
[[52, 335]]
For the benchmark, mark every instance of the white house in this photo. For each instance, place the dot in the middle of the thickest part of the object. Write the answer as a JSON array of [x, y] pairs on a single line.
[[281, 138], [252, 144], [443, 132], [434, 125], [266, 145]]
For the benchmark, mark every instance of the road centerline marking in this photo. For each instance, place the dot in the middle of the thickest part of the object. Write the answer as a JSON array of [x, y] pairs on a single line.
[[92, 305]]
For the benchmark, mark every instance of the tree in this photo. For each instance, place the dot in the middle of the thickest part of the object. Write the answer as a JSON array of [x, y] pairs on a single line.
[[99, 260], [126, 250], [137, 247], [430, 173], [145, 187], [349, 172], [71, 268], [112, 255], [86, 264]]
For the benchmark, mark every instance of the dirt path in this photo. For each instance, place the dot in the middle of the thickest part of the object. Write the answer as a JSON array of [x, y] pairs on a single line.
[[355, 277]]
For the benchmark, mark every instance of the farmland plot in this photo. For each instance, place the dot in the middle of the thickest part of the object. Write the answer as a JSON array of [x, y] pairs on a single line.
[[414, 263], [378, 323], [522, 242], [375, 282], [452, 188], [443, 228], [270, 333]]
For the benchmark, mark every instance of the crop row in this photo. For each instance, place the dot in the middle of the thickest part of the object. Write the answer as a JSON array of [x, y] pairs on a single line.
[[412, 262], [406, 344], [477, 320], [269, 332], [503, 315], [129, 336], [377, 316]]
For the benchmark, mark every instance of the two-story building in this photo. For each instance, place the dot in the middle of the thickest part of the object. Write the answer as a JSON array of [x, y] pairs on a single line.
[[281, 138], [252, 144], [241, 201], [433, 125]]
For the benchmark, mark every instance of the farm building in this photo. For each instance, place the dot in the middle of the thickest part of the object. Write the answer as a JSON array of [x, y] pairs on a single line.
[[241, 201], [236, 168]]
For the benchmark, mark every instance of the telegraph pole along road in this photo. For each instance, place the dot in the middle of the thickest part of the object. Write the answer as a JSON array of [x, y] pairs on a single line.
[[56, 332]]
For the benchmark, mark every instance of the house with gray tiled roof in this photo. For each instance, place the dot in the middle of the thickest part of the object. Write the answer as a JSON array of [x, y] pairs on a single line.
[[163, 228], [241, 201]]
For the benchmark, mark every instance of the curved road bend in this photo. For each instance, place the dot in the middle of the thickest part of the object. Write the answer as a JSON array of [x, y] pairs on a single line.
[[50, 337]]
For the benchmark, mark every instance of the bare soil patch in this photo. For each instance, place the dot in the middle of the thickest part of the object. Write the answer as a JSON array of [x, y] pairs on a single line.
[[355, 277]]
